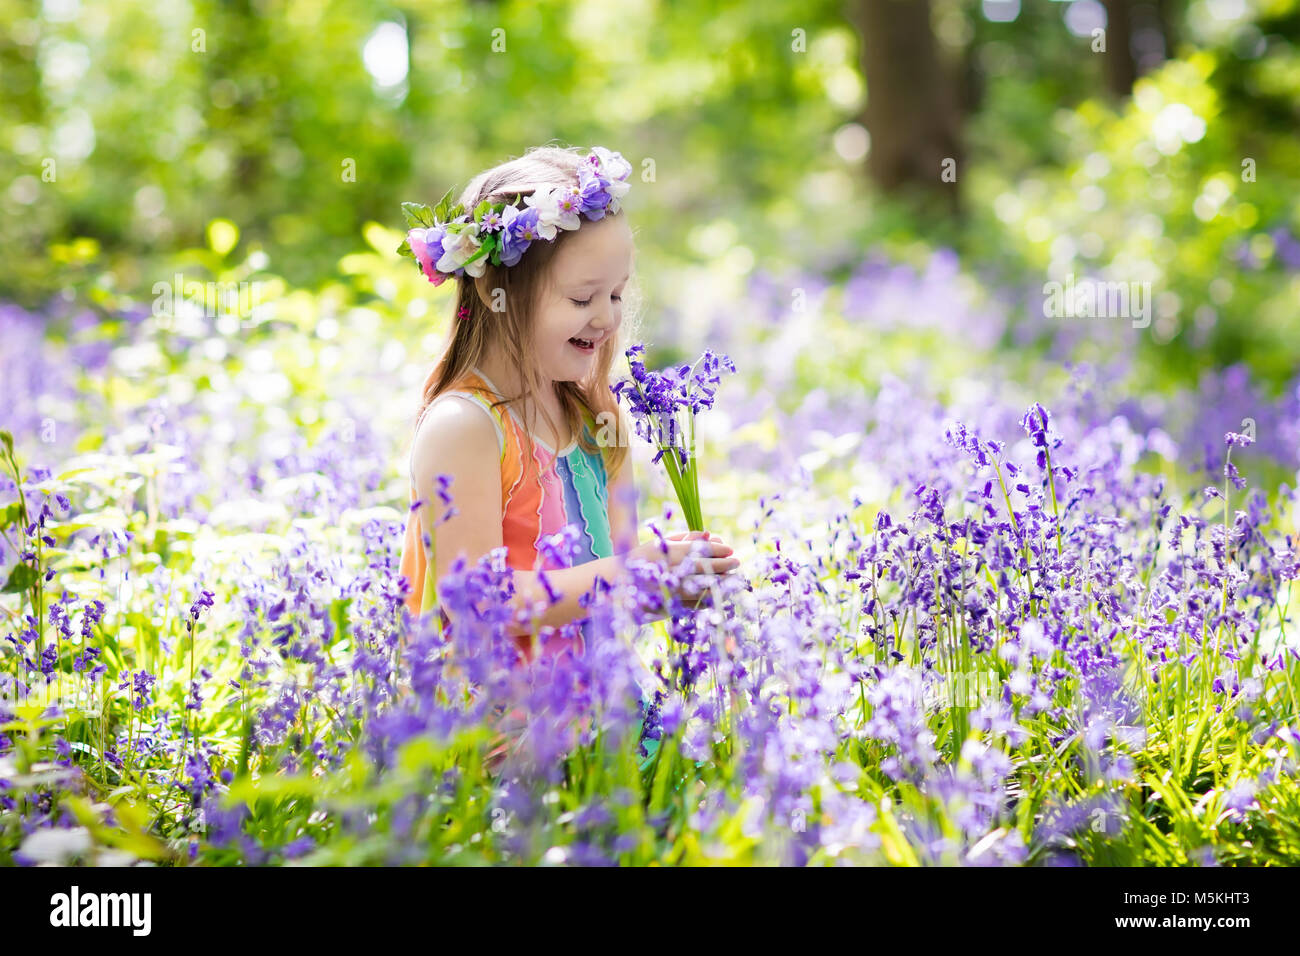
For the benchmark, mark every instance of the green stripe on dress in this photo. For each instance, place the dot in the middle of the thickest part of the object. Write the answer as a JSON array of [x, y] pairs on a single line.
[[589, 483]]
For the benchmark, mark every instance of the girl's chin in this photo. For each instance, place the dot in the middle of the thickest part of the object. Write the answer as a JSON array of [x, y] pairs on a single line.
[[573, 372], [577, 359], [573, 366]]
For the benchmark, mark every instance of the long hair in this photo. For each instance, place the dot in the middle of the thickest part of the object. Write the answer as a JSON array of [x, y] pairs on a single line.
[[520, 288]]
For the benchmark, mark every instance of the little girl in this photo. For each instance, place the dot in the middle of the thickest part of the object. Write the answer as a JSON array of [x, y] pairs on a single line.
[[511, 412]]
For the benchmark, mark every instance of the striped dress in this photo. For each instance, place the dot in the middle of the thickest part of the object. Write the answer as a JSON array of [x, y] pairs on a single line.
[[540, 494]]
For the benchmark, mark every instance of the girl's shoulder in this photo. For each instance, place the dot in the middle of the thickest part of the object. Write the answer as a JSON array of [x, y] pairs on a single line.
[[472, 387], [453, 439], [457, 420]]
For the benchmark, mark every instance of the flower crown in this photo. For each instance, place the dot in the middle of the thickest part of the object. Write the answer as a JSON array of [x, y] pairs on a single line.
[[446, 241]]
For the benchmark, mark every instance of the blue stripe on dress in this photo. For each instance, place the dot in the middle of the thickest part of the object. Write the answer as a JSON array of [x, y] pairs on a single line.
[[573, 511]]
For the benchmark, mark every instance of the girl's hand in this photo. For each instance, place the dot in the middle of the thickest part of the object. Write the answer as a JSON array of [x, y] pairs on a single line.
[[716, 560]]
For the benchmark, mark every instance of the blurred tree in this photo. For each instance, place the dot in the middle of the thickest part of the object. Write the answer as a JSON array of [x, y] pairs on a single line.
[[301, 121], [1121, 71], [1138, 39], [912, 111]]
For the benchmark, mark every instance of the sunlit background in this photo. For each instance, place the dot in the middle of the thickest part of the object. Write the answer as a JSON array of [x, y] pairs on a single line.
[[210, 356]]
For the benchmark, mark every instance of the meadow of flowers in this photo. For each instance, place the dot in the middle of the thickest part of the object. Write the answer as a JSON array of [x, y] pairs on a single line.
[[975, 623]]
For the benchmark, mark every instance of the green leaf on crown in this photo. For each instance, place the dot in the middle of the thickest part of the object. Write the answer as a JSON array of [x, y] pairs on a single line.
[[446, 210], [417, 215], [489, 243]]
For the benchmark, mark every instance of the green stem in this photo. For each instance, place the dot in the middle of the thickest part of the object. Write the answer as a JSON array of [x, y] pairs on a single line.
[[1051, 484], [36, 592], [690, 506]]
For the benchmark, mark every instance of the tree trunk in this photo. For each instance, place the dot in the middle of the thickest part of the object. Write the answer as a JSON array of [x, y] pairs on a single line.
[[911, 111], [1121, 71]]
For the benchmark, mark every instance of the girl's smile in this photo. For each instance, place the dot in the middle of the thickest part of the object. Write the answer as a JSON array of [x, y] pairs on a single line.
[[588, 346]]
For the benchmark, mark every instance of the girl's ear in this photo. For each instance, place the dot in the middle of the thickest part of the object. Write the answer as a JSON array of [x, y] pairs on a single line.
[[493, 297]]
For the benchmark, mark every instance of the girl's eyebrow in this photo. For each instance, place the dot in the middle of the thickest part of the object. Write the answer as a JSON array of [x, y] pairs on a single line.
[[596, 281]]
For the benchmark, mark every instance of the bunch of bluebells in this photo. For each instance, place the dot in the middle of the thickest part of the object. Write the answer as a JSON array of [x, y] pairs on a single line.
[[663, 406]]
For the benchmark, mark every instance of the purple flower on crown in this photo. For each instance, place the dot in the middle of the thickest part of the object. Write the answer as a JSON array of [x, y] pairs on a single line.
[[593, 192], [519, 229], [614, 170]]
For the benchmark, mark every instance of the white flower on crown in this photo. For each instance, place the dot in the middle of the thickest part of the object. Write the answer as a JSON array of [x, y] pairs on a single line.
[[612, 165], [546, 200], [458, 246], [615, 169], [617, 189]]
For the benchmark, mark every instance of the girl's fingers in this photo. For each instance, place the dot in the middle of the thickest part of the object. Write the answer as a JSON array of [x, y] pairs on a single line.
[[716, 553], [716, 549], [715, 566]]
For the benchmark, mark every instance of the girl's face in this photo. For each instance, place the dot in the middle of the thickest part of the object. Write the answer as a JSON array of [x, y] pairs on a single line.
[[581, 306]]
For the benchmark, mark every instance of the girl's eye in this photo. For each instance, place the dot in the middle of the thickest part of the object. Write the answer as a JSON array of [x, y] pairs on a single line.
[[586, 302]]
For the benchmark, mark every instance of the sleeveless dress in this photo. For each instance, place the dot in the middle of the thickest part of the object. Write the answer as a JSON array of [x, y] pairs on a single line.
[[540, 494]]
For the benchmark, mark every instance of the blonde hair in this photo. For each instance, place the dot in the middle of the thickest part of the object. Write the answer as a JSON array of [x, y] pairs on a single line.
[[522, 284]]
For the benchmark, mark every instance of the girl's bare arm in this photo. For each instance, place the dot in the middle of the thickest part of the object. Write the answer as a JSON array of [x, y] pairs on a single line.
[[457, 440]]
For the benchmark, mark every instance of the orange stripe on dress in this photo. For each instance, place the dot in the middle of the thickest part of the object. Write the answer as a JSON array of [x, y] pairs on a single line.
[[414, 564], [522, 503]]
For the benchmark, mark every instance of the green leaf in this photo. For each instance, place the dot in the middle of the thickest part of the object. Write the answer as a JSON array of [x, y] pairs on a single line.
[[21, 577], [442, 211], [11, 515], [405, 250], [482, 208], [488, 245], [339, 617], [417, 215]]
